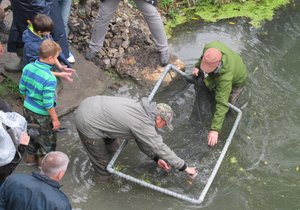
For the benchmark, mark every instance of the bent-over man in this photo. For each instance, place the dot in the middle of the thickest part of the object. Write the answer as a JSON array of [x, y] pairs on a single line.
[[224, 73], [100, 120]]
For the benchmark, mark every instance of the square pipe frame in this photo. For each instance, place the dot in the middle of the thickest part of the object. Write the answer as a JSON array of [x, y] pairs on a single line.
[[163, 190]]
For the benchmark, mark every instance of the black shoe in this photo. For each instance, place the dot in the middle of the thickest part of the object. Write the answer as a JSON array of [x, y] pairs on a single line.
[[90, 54], [164, 58]]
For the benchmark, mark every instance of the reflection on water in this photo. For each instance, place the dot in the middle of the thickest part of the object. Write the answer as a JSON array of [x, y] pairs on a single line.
[[261, 168]]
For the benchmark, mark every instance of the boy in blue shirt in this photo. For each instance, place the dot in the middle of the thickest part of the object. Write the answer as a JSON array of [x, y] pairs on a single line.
[[38, 85]]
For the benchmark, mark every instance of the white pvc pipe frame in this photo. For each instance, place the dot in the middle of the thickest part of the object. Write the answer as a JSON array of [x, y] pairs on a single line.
[[163, 190]]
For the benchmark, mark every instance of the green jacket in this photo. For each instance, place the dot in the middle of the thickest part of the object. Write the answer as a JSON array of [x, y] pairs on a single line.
[[233, 73]]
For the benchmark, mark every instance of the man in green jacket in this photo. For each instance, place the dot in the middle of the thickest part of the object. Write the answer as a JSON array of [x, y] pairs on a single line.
[[225, 74]]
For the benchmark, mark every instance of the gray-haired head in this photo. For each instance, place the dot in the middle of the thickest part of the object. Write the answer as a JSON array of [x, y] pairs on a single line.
[[54, 163], [166, 113]]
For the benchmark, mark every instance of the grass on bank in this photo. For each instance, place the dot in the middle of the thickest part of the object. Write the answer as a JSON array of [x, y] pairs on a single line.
[[9, 88], [257, 11]]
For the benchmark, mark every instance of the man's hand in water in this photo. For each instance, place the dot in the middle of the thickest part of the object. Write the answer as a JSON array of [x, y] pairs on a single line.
[[164, 165], [212, 138], [191, 172]]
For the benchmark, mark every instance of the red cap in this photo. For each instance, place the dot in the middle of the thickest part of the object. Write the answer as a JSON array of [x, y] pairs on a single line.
[[211, 59]]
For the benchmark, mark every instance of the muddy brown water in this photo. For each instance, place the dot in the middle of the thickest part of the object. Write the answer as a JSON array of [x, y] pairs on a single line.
[[261, 167]]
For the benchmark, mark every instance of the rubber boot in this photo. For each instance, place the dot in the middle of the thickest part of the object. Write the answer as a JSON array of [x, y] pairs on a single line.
[[164, 57], [31, 160]]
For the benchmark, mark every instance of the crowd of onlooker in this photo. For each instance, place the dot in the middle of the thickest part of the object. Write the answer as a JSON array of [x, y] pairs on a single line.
[[38, 36]]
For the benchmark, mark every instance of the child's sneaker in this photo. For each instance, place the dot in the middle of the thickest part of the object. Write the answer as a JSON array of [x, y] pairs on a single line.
[[71, 58]]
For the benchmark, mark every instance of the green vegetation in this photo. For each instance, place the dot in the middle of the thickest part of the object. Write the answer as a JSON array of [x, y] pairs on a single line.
[[9, 87], [257, 11], [118, 167]]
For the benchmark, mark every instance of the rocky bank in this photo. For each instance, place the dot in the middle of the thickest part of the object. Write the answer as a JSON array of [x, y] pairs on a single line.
[[128, 49]]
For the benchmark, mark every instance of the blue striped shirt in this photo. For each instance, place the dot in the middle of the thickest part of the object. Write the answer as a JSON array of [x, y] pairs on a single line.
[[38, 85]]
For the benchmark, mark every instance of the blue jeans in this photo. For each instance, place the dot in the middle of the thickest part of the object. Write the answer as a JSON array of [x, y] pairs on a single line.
[[65, 7], [58, 33]]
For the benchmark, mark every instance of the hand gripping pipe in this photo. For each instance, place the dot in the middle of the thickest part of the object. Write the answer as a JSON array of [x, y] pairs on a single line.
[[215, 169]]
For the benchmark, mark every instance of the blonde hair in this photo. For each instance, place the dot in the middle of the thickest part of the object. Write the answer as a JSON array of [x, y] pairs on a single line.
[[49, 48]]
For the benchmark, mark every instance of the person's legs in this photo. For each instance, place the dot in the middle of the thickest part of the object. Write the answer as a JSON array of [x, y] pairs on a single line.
[[112, 145], [97, 153], [58, 33], [65, 7], [156, 27], [234, 95], [44, 143], [105, 13]]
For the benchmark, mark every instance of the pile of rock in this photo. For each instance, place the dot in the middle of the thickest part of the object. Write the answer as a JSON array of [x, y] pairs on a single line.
[[128, 45]]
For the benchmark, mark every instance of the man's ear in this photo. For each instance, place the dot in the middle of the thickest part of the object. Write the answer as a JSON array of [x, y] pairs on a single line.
[[60, 175], [157, 120]]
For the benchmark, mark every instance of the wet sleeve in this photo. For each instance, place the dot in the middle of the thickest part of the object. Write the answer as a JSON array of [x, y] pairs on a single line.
[[222, 92], [153, 146]]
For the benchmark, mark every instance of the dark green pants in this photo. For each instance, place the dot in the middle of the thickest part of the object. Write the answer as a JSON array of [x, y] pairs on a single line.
[[46, 141], [235, 94], [99, 152]]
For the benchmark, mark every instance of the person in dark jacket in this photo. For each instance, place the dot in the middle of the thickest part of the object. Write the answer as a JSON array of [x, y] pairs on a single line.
[[7, 169], [36, 32], [224, 73], [39, 190], [107, 8], [24, 10]]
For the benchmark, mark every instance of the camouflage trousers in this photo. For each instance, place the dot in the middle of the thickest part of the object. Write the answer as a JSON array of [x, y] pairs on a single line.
[[46, 140]]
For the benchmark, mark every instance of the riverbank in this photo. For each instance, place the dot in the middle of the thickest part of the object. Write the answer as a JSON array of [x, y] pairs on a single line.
[[129, 52], [257, 12]]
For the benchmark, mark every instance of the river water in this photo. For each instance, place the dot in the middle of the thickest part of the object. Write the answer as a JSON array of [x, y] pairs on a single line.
[[261, 169]]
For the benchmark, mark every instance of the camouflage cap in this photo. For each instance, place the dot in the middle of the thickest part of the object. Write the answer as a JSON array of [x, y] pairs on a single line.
[[166, 113]]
